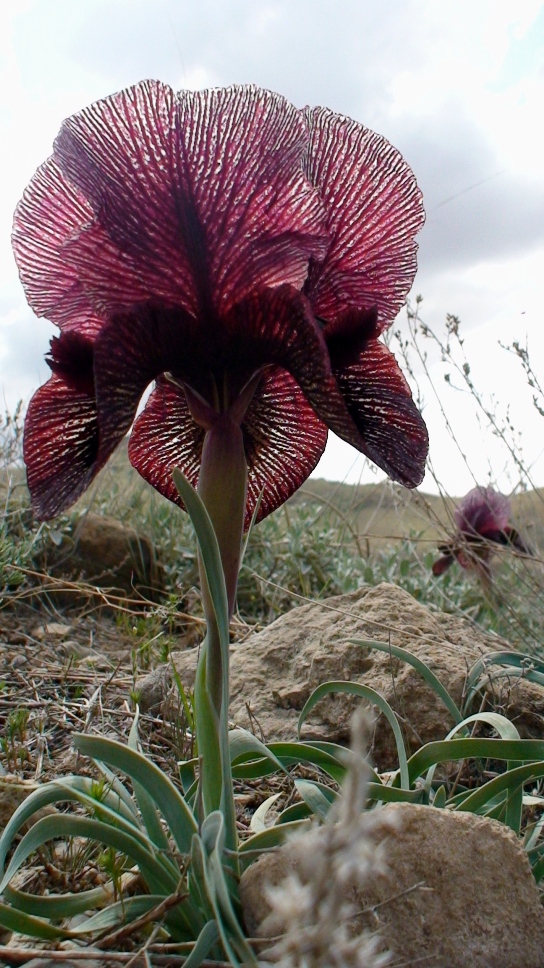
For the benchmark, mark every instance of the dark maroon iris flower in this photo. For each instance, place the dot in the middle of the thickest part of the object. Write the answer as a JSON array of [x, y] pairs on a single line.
[[482, 520], [239, 254]]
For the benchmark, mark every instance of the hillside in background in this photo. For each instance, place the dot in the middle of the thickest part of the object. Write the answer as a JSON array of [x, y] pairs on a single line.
[[380, 514]]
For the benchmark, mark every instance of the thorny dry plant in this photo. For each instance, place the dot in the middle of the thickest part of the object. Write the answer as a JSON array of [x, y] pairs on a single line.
[[311, 906]]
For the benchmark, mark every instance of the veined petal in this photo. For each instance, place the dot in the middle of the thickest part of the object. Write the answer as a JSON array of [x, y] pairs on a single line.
[[202, 192], [131, 351], [380, 404], [374, 210], [483, 511], [165, 436], [50, 214], [60, 446], [283, 439]]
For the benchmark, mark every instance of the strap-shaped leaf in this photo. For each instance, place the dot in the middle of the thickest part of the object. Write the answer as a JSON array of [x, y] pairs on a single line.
[[26, 924], [209, 732], [150, 815], [509, 664], [208, 855], [318, 797], [363, 692], [209, 549], [160, 788], [69, 825], [56, 791], [510, 782], [420, 667], [445, 751], [203, 945], [501, 724], [57, 907]]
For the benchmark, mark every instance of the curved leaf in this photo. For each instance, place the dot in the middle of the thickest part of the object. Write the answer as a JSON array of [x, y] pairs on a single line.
[[363, 692], [160, 788], [420, 667]]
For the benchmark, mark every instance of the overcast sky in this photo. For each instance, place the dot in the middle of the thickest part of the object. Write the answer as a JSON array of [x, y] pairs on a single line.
[[456, 85]]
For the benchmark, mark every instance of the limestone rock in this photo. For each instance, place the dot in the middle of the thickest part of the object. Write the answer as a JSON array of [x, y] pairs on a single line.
[[478, 903], [108, 554], [275, 671]]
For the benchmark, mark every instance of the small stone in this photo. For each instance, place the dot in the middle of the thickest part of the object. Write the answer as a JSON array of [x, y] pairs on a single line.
[[18, 661], [71, 647], [151, 690], [53, 630]]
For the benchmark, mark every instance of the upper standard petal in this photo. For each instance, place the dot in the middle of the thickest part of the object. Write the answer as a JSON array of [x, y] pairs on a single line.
[[374, 210], [202, 194]]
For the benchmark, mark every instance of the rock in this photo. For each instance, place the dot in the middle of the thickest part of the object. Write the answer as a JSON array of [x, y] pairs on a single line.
[[151, 690], [103, 552], [275, 671], [478, 905], [52, 630]]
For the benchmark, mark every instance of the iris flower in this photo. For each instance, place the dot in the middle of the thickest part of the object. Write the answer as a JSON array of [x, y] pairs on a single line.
[[241, 256], [482, 520]]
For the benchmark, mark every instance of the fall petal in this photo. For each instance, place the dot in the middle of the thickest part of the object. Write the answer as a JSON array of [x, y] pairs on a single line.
[[374, 210], [60, 446], [165, 436], [282, 436], [284, 440], [131, 351], [380, 404], [203, 191]]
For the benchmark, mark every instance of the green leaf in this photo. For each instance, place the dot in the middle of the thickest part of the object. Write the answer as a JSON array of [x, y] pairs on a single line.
[[420, 667], [210, 732], [242, 742], [512, 782], [510, 664], [160, 788], [150, 815], [69, 789], [209, 847], [203, 945], [270, 838], [258, 820], [521, 750], [69, 825], [209, 549], [25, 924], [363, 692], [56, 907], [318, 797]]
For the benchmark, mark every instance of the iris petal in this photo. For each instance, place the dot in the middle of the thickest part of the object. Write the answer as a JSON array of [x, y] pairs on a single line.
[[50, 214], [203, 192], [380, 404], [283, 439], [374, 210], [60, 446]]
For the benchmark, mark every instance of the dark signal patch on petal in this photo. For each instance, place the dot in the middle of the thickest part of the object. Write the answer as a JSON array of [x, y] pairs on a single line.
[[374, 210], [71, 358], [60, 446], [201, 195], [380, 404], [261, 219], [284, 440], [165, 436]]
